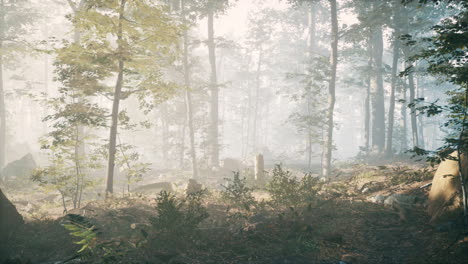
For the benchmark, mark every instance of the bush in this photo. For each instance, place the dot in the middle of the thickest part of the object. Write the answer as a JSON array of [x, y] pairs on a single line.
[[179, 218], [237, 193], [287, 190]]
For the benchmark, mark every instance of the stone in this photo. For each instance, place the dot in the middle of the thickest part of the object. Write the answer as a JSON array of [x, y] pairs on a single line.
[[10, 219], [400, 199], [21, 168], [379, 199], [444, 202], [193, 187], [154, 188]]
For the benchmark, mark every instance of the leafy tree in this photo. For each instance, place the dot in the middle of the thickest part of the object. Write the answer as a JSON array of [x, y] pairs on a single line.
[[143, 38]]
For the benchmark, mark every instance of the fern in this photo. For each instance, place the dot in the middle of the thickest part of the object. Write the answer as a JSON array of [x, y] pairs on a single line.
[[83, 230]]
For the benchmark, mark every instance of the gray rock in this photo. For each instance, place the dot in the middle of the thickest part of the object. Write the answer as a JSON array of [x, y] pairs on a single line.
[[401, 199], [379, 199]]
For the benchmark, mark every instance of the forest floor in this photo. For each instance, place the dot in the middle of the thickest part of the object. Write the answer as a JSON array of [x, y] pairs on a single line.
[[347, 222]]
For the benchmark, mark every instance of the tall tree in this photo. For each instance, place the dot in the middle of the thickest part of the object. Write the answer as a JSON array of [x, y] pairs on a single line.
[[396, 53], [328, 140], [377, 91], [143, 45]]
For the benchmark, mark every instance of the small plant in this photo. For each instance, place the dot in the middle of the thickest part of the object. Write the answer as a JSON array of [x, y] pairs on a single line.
[[179, 218], [287, 190], [83, 230], [237, 193]]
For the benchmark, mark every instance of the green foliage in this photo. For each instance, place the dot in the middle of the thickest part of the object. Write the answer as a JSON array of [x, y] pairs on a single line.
[[83, 230], [237, 193], [179, 218], [287, 190]]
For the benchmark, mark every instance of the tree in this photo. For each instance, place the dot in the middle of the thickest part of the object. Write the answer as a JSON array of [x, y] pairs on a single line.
[[144, 38], [396, 54], [328, 140], [15, 16]]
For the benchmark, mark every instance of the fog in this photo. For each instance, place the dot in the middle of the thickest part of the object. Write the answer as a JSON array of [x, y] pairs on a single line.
[[129, 99]]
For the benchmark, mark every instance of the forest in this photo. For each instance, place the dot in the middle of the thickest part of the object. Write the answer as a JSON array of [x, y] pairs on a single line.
[[233, 131]]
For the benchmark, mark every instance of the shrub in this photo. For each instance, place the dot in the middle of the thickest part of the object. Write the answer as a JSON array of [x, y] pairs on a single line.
[[237, 193], [179, 218], [287, 190]]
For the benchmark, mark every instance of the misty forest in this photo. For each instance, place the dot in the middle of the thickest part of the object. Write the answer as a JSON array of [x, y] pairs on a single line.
[[242, 131]]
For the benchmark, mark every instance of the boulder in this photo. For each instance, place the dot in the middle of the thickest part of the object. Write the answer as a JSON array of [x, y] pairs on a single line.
[[154, 188], [193, 187], [445, 202], [21, 168], [10, 219]]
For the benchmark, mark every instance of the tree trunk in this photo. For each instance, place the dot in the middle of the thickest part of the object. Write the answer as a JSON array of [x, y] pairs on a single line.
[[310, 48], [328, 142], [259, 166], [115, 106], [391, 109], [404, 119], [214, 93], [367, 102], [10, 219], [257, 94], [2, 92], [377, 92], [420, 94], [414, 124], [188, 96]]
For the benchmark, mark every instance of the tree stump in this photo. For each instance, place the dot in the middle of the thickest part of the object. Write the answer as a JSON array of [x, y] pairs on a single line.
[[259, 169]]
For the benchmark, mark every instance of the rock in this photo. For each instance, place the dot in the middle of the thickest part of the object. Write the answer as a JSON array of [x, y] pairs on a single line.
[[232, 164], [379, 199], [444, 200], [10, 219], [351, 258], [372, 186], [401, 199], [193, 187], [21, 168], [154, 188]]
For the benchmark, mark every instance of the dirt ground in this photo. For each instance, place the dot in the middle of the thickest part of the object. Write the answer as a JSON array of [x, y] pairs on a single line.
[[342, 225]]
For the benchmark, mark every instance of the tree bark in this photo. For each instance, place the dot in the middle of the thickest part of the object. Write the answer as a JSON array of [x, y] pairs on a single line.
[[257, 95], [2, 91], [367, 102], [404, 118], [188, 96], [414, 124], [391, 109], [377, 92], [214, 111], [311, 47], [328, 142], [115, 106]]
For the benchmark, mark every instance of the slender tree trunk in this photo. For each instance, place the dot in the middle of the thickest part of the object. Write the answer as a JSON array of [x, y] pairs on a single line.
[[182, 140], [257, 94], [188, 96], [420, 93], [391, 109], [414, 124], [404, 117], [367, 102], [328, 142], [3, 127], [311, 47], [214, 114], [115, 106], [377, 92], [165, 135]]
